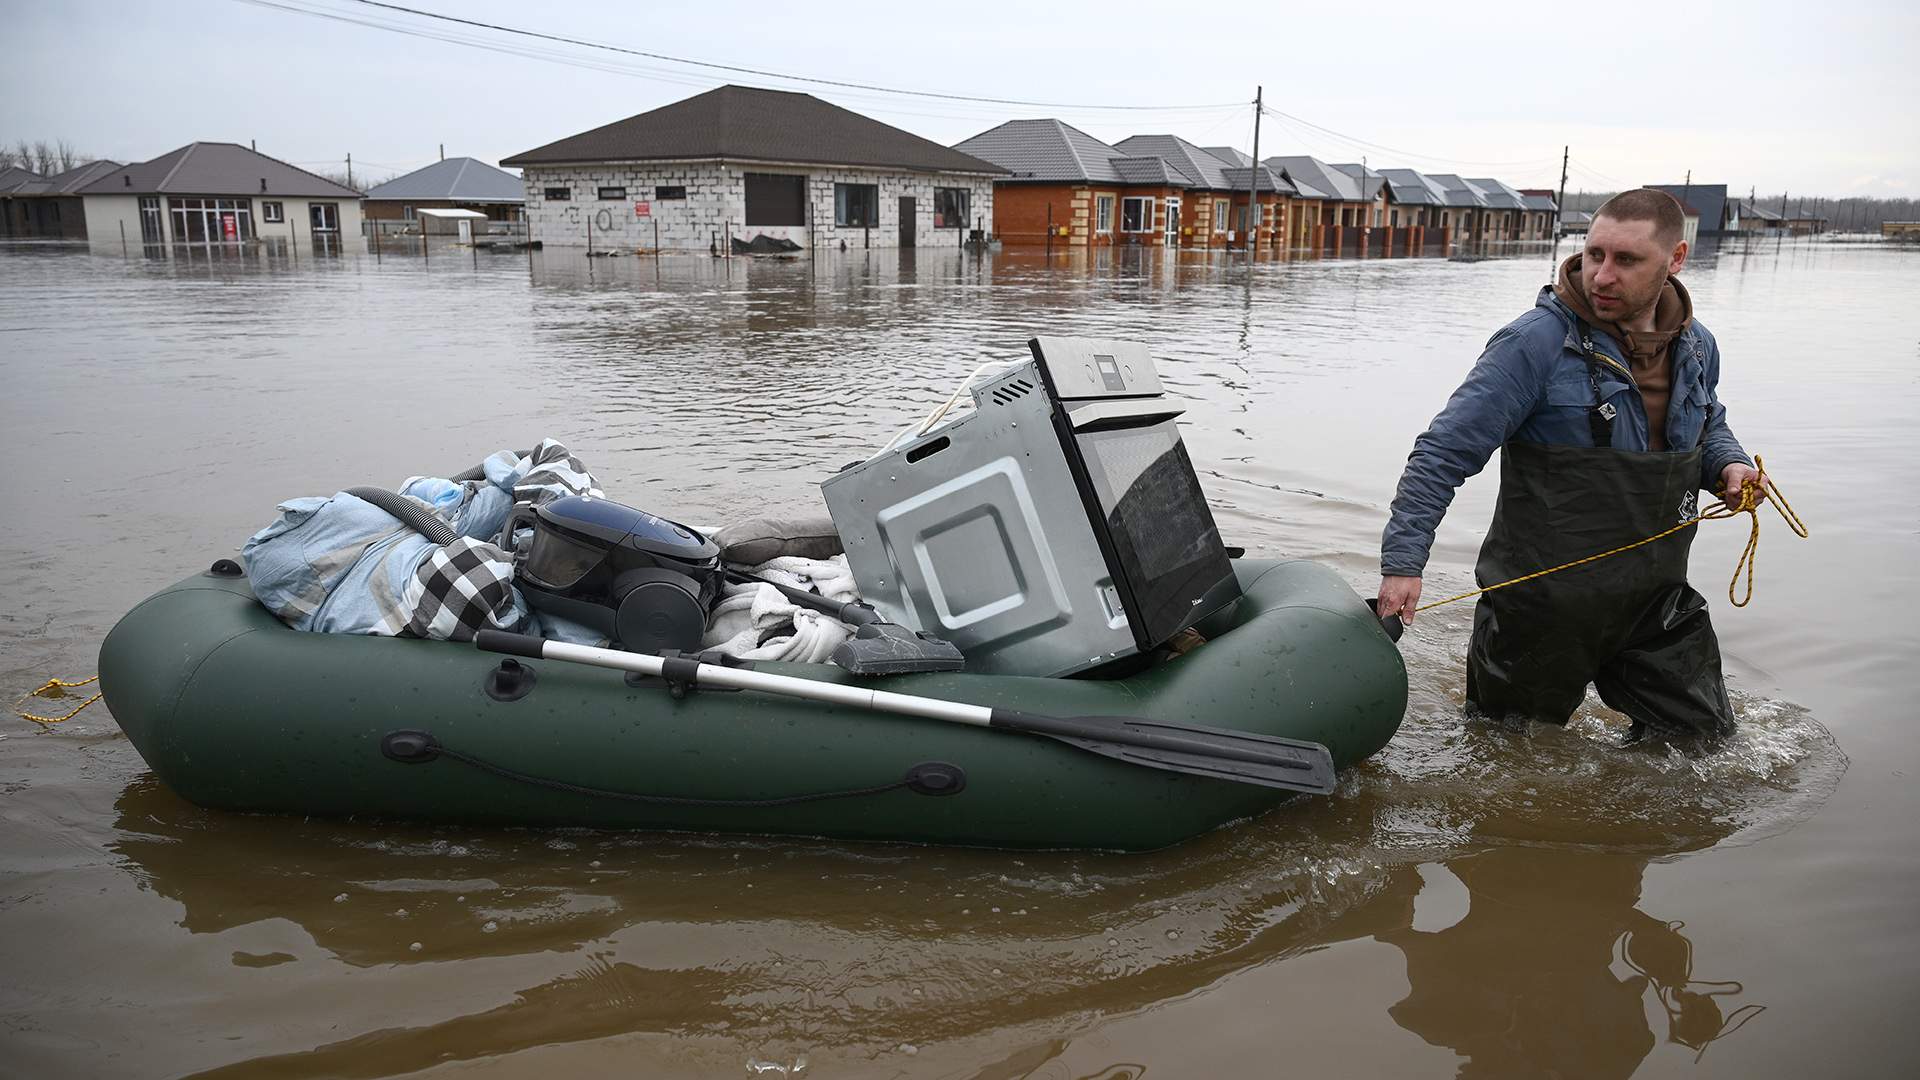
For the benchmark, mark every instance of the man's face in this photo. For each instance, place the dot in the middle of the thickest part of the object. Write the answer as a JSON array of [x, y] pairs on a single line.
[[1625, 266]]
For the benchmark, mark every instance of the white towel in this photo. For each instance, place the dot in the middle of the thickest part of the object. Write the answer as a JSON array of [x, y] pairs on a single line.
[[756, 622]]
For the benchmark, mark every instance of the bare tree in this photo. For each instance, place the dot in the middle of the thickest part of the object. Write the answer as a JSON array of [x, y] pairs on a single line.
[[69, 158]]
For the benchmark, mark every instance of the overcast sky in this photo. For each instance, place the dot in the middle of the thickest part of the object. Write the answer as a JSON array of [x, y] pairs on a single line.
[[1815, 99]]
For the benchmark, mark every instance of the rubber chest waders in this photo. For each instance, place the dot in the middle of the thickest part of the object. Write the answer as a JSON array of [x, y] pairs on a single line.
[[1632, 626]]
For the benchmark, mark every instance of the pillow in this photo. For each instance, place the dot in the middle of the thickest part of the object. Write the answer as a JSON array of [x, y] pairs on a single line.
[[757, 540]]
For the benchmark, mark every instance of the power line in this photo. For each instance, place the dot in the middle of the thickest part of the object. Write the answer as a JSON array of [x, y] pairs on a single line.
[[1403, 153], [582, 43]]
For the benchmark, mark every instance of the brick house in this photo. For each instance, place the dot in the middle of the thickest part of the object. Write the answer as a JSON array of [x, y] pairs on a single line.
[[738, 162], [1351, 200], [1213, 207], [1540, 214], [1066, 187]]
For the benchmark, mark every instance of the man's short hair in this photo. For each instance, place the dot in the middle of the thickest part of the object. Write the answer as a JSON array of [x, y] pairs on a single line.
[[1648, 204]]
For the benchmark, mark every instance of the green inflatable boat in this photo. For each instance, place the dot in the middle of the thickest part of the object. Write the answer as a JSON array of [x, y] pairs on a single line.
[[235, 711]]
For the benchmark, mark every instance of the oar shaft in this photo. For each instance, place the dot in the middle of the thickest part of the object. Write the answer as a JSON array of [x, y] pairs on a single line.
[[766, 682]]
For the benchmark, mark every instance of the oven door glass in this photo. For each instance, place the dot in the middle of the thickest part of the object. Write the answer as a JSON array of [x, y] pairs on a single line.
[[1168, 549]]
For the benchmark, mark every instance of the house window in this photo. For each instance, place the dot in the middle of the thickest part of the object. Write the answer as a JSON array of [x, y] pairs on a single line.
[[856, 205], [275, 213], [212, 221], [662, 194], [1220, 213], [150, 220], [776, 199], [406, 212], [1395, 222], [613, 194], [950, 207], [559, 194], [1136, 214], [1103, 213]]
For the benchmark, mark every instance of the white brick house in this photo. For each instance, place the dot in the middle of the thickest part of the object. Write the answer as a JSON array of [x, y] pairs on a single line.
[[737, 163]]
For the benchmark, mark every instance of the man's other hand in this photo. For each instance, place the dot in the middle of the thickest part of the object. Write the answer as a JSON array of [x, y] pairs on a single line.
[[1399, 596], [1733, 478]]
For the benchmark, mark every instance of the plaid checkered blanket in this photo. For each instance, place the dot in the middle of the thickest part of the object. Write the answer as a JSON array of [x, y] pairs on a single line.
[[340, 565]]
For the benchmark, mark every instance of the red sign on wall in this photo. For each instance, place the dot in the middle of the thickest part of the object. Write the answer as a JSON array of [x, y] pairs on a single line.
[[642, 209], [229, 227]]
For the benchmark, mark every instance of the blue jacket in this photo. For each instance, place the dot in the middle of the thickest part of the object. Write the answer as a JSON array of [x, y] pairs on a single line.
[[1532, 384]]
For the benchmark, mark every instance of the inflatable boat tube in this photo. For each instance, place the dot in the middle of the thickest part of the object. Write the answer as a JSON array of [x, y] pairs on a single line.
[[235, 711]]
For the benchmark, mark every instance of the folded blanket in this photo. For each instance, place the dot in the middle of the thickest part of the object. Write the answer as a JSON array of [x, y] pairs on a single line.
[[757, 622]]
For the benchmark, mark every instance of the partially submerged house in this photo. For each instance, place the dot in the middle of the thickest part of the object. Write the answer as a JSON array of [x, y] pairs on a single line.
[[457, 183], [1062, 185], [47, 207], [739, 162], [217, 193], [1346, 204], [1213, 203], [1537, 221]]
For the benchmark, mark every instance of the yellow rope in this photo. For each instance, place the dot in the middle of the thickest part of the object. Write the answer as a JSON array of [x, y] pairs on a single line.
[[1751, 496], [55, 684]]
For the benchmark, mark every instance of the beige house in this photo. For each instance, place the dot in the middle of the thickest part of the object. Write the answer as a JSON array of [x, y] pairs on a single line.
[[218, 194]]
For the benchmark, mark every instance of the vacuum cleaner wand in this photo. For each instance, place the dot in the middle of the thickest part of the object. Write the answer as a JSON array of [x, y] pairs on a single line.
[[877, 647]]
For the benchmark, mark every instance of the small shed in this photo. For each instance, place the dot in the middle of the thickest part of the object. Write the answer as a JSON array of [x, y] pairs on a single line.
[[447, 221]]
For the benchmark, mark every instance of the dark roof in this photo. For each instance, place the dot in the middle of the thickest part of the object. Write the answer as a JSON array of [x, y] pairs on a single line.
[[1201, 169], [1148, 170], [1239, 179], [1459, 192], [1315, 179], [1045, 151], [744, 123], [1755, 210], [1410, 187], [1710, 201], [1498, 195], [1369, 181], [1239, 159], [462, 179], [1539, 202], [13, 176], [215, 168], [69, 182]]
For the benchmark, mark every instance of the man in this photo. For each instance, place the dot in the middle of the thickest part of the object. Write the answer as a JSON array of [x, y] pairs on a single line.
[[1602, 400]]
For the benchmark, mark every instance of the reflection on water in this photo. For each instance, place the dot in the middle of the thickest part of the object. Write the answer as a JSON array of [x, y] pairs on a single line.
[[1507, 875]]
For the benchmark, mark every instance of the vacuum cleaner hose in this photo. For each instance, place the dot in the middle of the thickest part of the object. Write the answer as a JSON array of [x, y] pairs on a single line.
[[411, 512]]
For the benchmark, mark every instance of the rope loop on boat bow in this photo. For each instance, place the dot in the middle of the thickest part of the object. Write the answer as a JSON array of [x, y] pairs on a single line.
[[43, 691]]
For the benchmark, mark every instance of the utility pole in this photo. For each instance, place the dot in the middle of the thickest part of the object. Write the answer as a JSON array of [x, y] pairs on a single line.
[[443, 151], [1559, 206], [1253, 178], [349, 170]]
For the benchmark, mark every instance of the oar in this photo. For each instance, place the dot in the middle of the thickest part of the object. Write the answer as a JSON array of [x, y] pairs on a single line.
[[1239, 756]]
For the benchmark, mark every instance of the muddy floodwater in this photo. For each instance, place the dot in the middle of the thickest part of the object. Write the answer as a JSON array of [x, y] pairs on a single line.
[[1474, 901]]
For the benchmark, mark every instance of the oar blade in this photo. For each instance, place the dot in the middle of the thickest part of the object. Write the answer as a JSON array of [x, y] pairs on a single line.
[[1216, 753]]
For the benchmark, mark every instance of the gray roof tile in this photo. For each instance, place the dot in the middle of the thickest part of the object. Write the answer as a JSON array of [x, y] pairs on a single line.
[[461, 179], [1316, 179], [1201, 169], [214, 168], [1045, 150], [745, 123]]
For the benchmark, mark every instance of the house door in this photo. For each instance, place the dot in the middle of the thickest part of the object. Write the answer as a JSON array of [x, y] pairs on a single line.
[[1173, 222], [466, 230], [324, 217], [909, 226]]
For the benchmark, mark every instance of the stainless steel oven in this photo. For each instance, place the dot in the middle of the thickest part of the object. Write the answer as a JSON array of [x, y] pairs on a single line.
[[1056, 527]]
